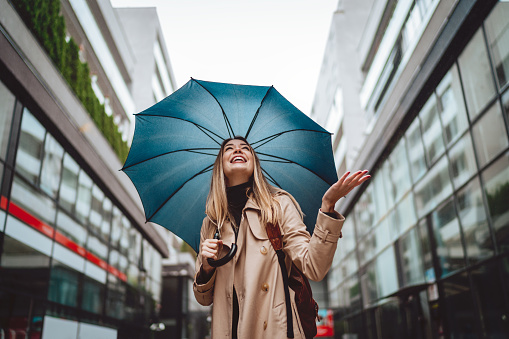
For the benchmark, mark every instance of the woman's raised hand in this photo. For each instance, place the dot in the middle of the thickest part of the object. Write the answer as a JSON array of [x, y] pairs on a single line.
[[341, 188], [209, 249]]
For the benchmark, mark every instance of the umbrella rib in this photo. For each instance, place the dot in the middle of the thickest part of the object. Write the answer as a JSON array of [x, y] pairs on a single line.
[[256, 114], [291, 162], [274, 136], [193, 150], [205, 170], [200, 127], [271, 178], [227, 122]]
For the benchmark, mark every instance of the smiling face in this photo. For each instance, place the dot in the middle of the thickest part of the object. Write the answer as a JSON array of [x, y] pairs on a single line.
[[238, 163]]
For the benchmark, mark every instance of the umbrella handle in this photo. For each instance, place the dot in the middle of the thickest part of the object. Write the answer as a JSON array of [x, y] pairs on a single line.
[[226, 258]]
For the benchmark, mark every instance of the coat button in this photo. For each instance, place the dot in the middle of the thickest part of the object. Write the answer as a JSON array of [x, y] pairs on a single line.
[[265, 325], [263, 250], [265, 287]]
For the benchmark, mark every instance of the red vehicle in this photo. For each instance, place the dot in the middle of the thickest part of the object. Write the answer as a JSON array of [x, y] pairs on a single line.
[[325, 327]]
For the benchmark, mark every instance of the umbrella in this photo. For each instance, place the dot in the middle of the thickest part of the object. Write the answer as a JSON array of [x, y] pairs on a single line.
[[177, 140]]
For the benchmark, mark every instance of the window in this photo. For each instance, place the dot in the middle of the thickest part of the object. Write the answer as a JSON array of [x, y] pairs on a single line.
[[96, 211], [63, 287], [71, 229], [462, 161], [69, 185], [416, 151], [497, 32], [399, 173], [433, 188], [490, 136], [446, 231], [496, 185], [30, 148], [476, 74], [7, 100], [411, 258], [432, 130], [474, 222], [83, 204], [459, 308], [51, 166], [452, 107]]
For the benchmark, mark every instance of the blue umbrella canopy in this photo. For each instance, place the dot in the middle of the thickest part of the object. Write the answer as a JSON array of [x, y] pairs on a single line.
[[177, 140]]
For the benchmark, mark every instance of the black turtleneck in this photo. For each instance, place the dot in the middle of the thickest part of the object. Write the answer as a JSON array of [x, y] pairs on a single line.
[[237, 198]]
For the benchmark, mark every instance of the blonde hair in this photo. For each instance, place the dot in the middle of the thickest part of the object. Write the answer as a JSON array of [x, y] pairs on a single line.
[[262, 192]]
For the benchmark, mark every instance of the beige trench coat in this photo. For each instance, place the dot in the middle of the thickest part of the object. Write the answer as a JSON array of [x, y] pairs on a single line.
[[256, 274]]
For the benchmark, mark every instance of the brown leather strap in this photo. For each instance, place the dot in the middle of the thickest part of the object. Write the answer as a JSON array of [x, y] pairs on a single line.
[[276, 239], [274, 233]]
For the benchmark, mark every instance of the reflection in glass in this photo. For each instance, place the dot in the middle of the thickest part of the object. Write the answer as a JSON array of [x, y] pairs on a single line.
[[462, 160], [69, 185], [386, 271], [84, 197], [24, 269], [96, 212], [416, 151], [382, 235], [51, 166], [116, 227], [71, 229], [93, 296], [97, 247], [115, 303], [125, 240], [410, 258], [432, 130], [30, 147], [452, 107], [34, 202], [367, 248], [476, 74], [364, 212], [106, 218], [475, 224], [459, 308], [404, 216], [490, 136], [380, 193], [369, 284], [427, 256], [63, 287], [399, 172], [497, 32], [505, 103], [6, 109], [496, 185], [446, 231], [132, 275], [489, 288], [433, 188]]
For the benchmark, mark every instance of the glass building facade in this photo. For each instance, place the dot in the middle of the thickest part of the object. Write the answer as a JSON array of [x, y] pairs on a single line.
[[72, 263], [425, 252]]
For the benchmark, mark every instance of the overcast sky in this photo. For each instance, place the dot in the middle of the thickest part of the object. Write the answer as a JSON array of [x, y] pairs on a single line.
[[253, 42]]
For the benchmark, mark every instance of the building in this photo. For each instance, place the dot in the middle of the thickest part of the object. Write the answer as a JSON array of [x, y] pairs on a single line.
[[417, 92], [77, 259]]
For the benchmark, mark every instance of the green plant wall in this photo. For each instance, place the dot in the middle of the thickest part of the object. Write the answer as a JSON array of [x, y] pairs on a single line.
[[43, 18]]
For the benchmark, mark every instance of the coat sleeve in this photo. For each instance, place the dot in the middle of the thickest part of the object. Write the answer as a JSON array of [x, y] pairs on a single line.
[[203, 291], [311, 254]]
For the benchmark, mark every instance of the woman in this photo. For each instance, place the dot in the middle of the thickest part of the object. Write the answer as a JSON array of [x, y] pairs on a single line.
[[248, 293]]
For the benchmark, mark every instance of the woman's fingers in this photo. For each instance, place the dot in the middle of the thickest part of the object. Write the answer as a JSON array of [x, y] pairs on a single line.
[[210, 248]]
